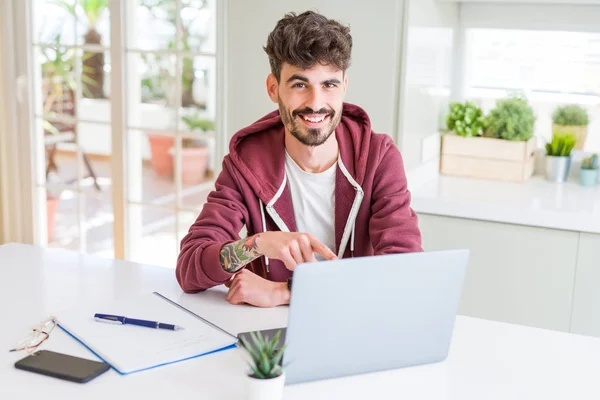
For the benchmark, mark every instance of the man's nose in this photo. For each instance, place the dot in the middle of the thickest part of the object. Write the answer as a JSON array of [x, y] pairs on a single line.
[[315, 100]]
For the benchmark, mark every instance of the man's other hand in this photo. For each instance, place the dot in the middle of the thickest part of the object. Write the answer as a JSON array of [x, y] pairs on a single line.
[[247, 287], [292, 248]]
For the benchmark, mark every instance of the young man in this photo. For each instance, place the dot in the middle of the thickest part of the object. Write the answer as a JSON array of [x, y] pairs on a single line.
[[310, 181]]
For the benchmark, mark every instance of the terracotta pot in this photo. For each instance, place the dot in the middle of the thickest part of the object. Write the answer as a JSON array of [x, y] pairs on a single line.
[[51, 204], [194, 164], [161, 161]]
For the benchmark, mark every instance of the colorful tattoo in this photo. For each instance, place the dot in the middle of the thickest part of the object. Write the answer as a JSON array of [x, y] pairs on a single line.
[[234, 256]]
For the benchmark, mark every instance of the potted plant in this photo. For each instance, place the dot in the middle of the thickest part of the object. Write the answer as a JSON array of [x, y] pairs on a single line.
[[89, 13], [466, 119], [161, 160], [558, 156], [51, 206], [571, 118], [511, 119], [589, 171], [499, 146], [266, 377], [52, 201], [195, 151]]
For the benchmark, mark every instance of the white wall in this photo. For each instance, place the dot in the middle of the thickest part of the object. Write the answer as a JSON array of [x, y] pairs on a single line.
[[426, 86], [373, 75]]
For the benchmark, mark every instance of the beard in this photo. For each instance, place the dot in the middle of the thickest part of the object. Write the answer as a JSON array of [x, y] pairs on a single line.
[[309, 136]]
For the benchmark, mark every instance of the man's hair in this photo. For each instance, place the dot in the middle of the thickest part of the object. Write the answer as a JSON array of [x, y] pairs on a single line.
[[306, 40]]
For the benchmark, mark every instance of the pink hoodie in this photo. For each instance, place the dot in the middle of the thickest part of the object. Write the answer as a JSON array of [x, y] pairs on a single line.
[[372, 202]]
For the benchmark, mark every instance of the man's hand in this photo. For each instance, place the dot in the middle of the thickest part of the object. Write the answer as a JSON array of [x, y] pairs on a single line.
[[247, 287], [292, 248]]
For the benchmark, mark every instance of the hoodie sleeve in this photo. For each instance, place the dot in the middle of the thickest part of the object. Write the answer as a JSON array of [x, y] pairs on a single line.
[[393, 227], [222, 218]]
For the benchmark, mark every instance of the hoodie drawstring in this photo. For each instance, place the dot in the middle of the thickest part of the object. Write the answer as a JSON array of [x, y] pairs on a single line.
[[352, 241], [264, 227]]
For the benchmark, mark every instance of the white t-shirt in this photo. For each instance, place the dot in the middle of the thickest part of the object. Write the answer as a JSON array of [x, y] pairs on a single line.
[[313, 198]]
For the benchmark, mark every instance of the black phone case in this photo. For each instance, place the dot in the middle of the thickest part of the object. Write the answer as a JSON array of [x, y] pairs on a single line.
[[23, 364]]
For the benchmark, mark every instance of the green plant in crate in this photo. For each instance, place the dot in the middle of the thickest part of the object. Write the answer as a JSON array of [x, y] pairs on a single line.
[[570, 115], [265, 355], [511, 119], [590, 162], [561, 145], [465, 119]]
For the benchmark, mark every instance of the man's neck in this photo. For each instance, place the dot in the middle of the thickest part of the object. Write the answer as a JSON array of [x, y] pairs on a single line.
[[312, 159]]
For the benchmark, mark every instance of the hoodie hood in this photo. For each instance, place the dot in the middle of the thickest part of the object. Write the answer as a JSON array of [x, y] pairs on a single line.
[[261, 159]]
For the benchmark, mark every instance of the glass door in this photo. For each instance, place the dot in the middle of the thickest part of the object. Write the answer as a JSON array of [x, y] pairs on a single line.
[[171, 99], [126, 120]]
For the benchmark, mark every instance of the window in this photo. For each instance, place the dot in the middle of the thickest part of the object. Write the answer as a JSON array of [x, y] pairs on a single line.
[[549, 67]]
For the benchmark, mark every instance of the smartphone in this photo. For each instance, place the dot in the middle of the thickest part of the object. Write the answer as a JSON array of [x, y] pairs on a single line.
[[62, 366]]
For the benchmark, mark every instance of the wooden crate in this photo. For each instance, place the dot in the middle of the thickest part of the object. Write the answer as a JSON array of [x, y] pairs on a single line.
[[487, 158]]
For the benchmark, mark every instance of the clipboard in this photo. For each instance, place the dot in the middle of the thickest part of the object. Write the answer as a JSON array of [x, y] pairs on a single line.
[[129, 349]]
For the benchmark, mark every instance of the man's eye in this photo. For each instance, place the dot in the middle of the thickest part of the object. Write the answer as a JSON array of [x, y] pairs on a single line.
[[330, 85], [299, 85]]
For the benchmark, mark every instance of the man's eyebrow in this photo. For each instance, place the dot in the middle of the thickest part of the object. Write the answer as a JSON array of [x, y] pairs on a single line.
[[297, 77]]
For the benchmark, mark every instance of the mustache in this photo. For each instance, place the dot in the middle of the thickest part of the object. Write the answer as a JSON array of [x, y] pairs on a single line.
[[311, 111]]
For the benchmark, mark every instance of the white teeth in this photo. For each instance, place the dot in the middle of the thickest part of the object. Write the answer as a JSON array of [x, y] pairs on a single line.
[[317, 119]]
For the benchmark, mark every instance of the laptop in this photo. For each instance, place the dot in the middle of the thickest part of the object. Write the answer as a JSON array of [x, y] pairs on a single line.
[[367, 314]]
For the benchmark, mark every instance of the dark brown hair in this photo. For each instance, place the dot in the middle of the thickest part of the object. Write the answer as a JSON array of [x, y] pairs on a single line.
[[307, 39]]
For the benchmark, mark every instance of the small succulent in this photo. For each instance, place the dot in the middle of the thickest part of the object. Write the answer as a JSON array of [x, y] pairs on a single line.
[[265, 355], [570, 115], [465, 119], [561, 145], [511, 119], [590, 162]]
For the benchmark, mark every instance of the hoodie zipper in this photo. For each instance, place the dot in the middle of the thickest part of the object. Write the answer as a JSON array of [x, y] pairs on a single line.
[[351, 221]]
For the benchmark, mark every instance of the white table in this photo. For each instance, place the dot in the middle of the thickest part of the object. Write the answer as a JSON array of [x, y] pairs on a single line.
[[488, 360]]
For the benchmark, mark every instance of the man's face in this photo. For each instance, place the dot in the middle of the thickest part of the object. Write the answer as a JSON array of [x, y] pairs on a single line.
[[310, 101]]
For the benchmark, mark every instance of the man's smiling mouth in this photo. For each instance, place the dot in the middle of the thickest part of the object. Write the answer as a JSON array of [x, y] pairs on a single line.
[[314, 117]]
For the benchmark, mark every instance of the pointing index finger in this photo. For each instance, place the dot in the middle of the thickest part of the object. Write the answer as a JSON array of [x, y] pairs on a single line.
[[321, 249]]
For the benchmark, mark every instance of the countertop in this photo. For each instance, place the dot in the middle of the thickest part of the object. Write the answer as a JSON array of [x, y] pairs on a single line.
[[536, 202]]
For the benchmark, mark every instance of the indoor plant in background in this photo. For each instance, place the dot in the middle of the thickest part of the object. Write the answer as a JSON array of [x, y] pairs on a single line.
[[89, 13], [589, 171], [571, 118], [511, 119], [558, 156], [465, 119], [499, 146], [195, 150], [266, 377]]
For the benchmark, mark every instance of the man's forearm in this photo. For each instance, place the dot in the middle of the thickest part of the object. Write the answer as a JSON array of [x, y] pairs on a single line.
[[234, 256]]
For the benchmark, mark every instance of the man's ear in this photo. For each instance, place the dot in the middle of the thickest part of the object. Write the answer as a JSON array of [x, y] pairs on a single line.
[[345, 81], [273, 88]]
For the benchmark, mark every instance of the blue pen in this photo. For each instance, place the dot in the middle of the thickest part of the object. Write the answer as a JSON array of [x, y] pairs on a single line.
[[119, 320]]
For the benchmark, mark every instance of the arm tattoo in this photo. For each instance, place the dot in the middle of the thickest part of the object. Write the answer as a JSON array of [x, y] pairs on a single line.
[[234, 256]]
